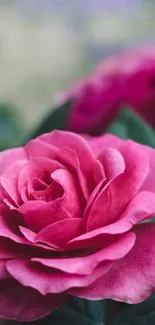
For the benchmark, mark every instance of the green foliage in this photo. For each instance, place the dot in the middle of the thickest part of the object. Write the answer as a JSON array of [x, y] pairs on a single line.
[[140, 314], [79, 311], [10, 128], [76, 312], [128, 125], [55, 119]]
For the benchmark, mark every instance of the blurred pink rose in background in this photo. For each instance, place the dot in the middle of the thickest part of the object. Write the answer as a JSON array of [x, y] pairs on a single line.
[[127, 79], [70, 223]]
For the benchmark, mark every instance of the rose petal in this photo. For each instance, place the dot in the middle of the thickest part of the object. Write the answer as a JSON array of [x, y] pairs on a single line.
[[108, 140], [11, 156], [34, 168], [149, 184], [131, 279], [96, 214], [73, 195], [25, 304], [28, 234], [50, 192], [43, 280], [113, 163], [70, 158], [86, 264], [98, 144], [38, 148], [9, 222], [90, 201], [39, 214], [139, 209], [24, 194], [10, 249], [10, 232], [59, 233], [8, 181]]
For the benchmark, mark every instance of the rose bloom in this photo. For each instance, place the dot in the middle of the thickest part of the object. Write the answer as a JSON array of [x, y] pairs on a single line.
[[71, 223], [127, 79]]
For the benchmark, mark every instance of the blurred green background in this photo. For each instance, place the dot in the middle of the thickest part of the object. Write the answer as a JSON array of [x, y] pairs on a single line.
[[46, 45]]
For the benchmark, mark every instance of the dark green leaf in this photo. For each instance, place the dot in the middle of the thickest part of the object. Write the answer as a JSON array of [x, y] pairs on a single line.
[[79, 312], [149, 220], [140, 314], [55, 119], [11, 131], [128, 125], [76, 312]]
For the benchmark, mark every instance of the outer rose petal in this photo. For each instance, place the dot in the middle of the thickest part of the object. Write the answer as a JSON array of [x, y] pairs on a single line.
[[38, 148], [25, 304], [43, 280], [9, 249], [11, 155], [139, 209], [9, 221], [132, 279], [98, 144], [86, 264], [9, 180], [149, 184]]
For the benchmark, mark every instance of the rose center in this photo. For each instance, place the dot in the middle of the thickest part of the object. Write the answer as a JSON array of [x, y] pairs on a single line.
[[45, 188]]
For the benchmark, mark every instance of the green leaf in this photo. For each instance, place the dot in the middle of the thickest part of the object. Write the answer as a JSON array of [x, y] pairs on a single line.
[[76, 312], [140, 314], [128, 125], [55, 119], [107, 312], [149, 220], [11, 131], [80, 312]]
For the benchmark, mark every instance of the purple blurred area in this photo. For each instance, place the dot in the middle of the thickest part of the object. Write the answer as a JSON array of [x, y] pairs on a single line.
[[90, 5]]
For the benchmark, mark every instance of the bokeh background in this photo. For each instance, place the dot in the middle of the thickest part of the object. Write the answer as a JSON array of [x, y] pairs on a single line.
[[46, 45]]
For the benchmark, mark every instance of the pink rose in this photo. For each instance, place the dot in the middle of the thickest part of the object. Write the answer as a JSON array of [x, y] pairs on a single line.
[[71, 212], [126, 79]]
